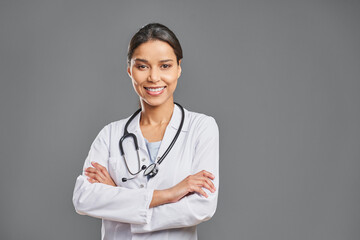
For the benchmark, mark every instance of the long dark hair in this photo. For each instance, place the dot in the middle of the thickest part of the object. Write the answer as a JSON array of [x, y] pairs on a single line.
[[154, 31]]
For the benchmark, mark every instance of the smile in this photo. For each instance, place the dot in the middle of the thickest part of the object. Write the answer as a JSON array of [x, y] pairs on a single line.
[[154, 90]]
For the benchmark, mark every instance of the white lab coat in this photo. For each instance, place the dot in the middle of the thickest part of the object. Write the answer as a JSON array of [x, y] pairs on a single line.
[[124, 209]]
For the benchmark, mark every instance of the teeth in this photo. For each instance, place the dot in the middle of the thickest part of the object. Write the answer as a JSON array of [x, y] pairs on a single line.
[[155, 89]]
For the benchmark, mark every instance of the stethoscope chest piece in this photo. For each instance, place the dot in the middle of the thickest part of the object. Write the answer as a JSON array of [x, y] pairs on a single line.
[[151, 170]]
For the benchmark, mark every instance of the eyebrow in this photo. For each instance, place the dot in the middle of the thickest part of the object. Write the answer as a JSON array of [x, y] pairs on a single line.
[[146, 61]]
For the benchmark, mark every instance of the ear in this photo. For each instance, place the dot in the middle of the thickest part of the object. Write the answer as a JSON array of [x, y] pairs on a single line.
[[128, 71], [179, 69]]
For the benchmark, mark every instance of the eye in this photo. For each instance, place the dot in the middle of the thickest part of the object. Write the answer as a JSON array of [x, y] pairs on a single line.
[[166, 66], [140, 67]]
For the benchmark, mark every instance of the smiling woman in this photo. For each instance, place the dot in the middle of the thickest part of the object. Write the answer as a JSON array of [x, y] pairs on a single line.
[[154, 71], [180, 149]]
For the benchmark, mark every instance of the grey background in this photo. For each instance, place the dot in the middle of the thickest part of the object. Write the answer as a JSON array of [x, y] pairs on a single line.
[[280, 77]]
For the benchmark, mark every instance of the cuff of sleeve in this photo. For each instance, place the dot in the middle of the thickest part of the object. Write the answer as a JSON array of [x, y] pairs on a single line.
[[136, 228], [148, 210]]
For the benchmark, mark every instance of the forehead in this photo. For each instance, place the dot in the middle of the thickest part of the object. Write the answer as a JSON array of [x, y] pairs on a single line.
[[154, 50]]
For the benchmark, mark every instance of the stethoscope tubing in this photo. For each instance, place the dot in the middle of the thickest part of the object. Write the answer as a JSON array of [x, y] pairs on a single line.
[[154, 166]]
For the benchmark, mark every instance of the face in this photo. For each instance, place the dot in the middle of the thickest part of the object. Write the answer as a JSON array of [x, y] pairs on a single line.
[[154, 72]]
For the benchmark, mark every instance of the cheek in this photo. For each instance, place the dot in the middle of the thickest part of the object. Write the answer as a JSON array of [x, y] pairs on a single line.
[[138, 76], [170, 78], [172, 85]]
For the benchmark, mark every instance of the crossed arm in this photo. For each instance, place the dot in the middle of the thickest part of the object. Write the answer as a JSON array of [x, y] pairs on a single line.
[[191, 184], [189, 202]]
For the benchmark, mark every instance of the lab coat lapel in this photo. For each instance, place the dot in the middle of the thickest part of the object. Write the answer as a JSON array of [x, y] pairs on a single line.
[[165, 143], [134, 127], [170, 131]]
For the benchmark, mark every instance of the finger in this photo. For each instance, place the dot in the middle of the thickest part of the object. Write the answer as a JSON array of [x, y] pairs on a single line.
[[103, 174], [208, 186], [92, 180], [211, 184], [99, 168], [203, 178], [90, 169], [206, 183], [104, 171], [93, 171], [208, 174], [97, 165], [95, 176], [200, 191], [205, 173], [90, 174]]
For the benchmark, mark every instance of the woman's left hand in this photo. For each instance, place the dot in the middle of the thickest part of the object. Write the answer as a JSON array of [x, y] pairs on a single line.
[[99, 174]]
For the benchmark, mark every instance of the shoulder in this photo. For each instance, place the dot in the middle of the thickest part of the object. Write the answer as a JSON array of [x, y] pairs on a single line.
[[117, 124], [114, 127], [204, 130], [200, 122]]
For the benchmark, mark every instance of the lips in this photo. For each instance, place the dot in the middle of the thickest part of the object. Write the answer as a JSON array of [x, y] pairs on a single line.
[[155, 90]]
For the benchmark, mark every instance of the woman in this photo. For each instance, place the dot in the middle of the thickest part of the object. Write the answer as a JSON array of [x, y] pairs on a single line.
[[117, 184]]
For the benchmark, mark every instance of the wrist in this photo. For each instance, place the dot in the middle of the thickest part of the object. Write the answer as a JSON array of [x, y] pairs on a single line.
[[168, 195], [161, 197]]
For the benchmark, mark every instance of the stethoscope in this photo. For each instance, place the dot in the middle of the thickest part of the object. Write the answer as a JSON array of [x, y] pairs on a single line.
[[152, 169]]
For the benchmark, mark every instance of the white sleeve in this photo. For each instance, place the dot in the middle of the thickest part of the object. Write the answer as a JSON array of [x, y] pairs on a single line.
[[108, 202], [195, 208]]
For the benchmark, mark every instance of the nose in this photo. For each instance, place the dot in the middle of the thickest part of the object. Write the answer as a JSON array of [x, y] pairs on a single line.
[[154, 75]]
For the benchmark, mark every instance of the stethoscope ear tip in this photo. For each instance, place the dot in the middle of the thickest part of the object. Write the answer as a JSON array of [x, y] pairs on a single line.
[[143, 167], [123, 179]]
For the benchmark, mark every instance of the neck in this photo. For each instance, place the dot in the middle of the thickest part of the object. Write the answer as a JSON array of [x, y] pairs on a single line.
[[156, 115]]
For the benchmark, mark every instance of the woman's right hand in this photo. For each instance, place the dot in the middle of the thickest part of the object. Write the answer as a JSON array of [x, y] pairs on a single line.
[[193, 184]]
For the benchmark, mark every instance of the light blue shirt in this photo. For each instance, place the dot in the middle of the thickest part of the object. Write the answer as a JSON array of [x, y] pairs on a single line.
[[153, 148]]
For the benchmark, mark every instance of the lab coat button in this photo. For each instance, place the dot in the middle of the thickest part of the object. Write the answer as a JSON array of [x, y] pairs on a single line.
[[143, 159], [158, 158], [141, 185]]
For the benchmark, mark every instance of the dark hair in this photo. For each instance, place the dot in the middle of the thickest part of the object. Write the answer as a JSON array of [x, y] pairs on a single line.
[[154, 31]]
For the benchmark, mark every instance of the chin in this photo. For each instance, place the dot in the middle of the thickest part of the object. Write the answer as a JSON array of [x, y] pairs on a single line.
[[155, 102]]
